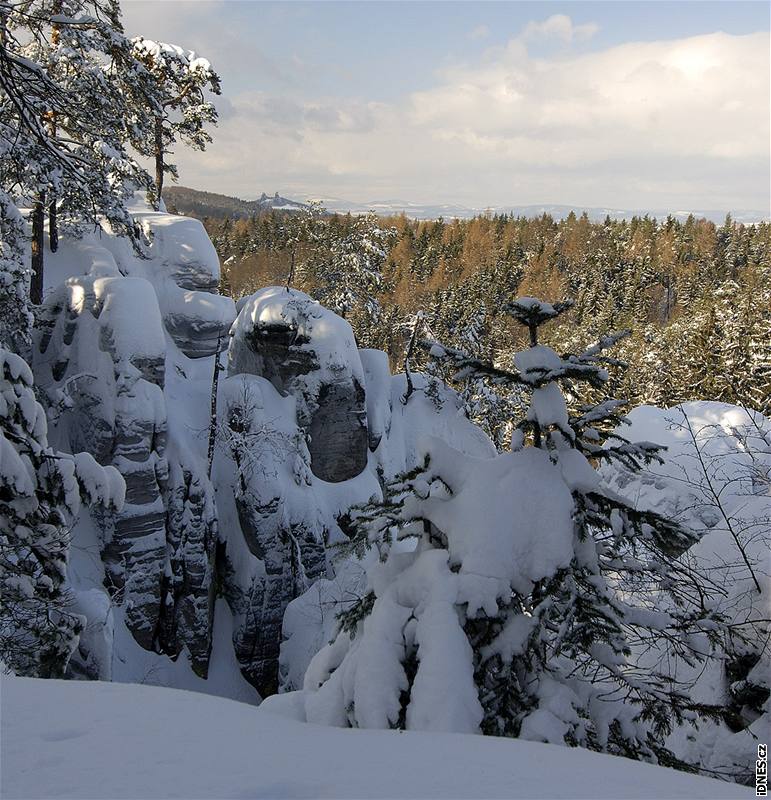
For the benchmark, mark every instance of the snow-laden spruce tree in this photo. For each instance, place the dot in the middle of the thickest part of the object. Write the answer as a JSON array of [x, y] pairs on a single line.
[[301, 228], [716, 478], [15, 316], [68, 107], [510, 591], [40, 494], [182, 80], [350, 280], [41, 490], [491, 407]]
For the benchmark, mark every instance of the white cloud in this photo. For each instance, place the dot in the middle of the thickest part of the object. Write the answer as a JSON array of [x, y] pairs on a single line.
[[171, 20], [683, 97], [561, 27], [480, 32], [669, 123]]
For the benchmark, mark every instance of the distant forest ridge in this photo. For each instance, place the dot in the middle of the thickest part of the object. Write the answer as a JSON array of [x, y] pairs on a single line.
[[182, 200], [185, 200]]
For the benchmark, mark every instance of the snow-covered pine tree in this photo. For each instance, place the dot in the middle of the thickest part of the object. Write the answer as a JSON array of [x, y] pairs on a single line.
[[182, 113], [528, 585], [300, 228], [350, 281], [41, 490], [40, 493], [67, 75], [492, 408], [15, 316]]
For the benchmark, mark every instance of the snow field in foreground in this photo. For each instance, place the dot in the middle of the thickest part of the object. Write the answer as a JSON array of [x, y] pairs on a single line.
[[68, 739]]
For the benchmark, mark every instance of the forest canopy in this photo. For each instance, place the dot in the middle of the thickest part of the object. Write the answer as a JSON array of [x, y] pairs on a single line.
[[696, 296]]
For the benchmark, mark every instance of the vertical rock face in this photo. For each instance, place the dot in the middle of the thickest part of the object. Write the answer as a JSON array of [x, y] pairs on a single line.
[[134, 554], [338, 432], [196, 336], [293, 557], [188, 591], [377, 372], [104, 377], [274, 524], [113, 356]]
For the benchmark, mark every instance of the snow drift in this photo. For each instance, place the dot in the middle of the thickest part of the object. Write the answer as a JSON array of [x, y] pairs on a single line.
[[115, 741]]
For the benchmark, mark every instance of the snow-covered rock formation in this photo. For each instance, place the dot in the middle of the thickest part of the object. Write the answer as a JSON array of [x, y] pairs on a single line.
[[206, 557], [106, 375], [115, 340], [297, 451]]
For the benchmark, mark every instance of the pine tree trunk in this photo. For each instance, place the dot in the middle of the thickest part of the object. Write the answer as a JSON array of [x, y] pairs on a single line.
[[408, 355], [53, 221], [38, 250], [158, 158], [53, 224], [533, 328], [290, 277]]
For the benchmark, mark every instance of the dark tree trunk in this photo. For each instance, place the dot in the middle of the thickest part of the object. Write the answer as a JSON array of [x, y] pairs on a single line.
[[53, 220], [53, 225], [158, 158], [38, 250], [416, 328], [536, 425], [290, 277]]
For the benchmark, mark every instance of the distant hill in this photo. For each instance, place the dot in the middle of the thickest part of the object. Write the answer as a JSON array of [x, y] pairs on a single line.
[[220, 206], [557, 212]]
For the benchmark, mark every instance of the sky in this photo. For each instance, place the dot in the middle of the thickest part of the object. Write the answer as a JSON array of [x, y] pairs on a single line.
[[661, 105]]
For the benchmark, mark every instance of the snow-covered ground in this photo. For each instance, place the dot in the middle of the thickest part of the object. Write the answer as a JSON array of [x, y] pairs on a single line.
[[69, 739]]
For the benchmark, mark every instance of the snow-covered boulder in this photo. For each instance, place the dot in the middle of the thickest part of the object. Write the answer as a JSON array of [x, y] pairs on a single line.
[[181, 247], [179, 260], [176, 257], [308, 352]]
